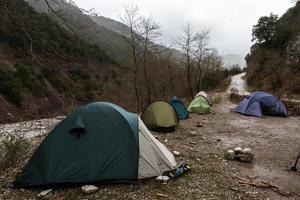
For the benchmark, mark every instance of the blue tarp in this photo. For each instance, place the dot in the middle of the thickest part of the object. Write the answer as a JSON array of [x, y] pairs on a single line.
[[180, 108], [261, 103]]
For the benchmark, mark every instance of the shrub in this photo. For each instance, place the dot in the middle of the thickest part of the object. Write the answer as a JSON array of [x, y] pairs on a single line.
[[10, 86], [11, 150]]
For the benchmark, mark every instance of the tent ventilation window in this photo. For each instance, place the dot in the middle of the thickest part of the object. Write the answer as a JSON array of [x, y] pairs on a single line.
[[78, 127]]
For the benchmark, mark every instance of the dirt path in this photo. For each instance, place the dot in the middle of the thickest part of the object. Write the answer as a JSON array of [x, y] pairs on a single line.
[[274, 141]]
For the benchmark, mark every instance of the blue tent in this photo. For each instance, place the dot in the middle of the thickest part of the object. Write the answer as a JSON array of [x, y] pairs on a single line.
[[261, 103], [180, 108]]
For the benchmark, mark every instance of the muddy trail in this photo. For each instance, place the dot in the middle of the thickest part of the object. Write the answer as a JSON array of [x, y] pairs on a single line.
[[202, 141]]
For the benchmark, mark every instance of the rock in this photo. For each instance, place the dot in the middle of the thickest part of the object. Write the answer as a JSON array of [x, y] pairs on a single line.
[[88, 189], [237, 150], [163, 179], [192, 142], [44, 193], [218, 140], [246, 151], [176, 153], [230, 155], [193, 133], [246, 157], [203, 138], [166, 140], [199, 124]]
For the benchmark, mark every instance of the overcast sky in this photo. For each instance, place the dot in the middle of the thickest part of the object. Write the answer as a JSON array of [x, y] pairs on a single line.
[[230, 21]]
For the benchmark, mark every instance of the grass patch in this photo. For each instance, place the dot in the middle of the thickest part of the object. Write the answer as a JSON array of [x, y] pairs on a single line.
[[11, 150]]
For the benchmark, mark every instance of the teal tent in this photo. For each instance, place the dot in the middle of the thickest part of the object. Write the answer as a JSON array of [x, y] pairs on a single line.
[[99, 142], [180, 108]]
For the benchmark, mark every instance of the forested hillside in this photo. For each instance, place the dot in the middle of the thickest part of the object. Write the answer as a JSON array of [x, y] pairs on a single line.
[[274, 61]]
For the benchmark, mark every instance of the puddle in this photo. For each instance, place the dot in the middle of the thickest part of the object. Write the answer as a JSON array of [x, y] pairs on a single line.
[[283, 179], [243, 123], [229, 142]]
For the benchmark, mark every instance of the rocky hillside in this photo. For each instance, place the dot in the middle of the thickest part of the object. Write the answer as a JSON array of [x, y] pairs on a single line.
[[274, 61], [45, 69]]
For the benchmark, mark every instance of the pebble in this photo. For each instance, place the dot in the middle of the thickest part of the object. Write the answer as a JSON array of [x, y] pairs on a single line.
[[176, 153], [230, 155], [163, 179], [237, 150], [246, 157], [44, 193], [88, 189], [247, 151]]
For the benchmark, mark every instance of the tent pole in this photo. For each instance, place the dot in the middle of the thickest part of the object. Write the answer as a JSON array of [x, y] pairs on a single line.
[[294, 167]]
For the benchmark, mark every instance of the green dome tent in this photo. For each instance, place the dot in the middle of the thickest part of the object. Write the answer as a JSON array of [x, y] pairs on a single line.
[[199, 105], [161, 116], [97, 143]]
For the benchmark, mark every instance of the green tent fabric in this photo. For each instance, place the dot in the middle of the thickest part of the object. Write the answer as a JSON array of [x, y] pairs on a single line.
[[99, 142], [199, 105], [160, 116]]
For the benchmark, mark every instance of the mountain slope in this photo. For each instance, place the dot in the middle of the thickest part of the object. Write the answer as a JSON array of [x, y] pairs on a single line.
[[110, 41], [44, 69]]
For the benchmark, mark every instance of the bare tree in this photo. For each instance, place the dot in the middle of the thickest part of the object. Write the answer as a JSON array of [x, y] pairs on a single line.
[[132, 20], [150, 31], [186, 42], [199, 54]]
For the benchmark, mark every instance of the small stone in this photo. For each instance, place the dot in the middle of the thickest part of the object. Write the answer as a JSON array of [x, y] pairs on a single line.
[[192, 142], [202, 138], [193, 133], [237, 150], [162, 179], [247, 151], [44, 193], [246, 157], [166, 140], [218, 140], [230, 155], [176, 153], [88, 189], [199, 124]]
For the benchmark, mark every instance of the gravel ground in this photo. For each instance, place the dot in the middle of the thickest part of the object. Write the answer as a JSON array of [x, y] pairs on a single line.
[[274, 141]]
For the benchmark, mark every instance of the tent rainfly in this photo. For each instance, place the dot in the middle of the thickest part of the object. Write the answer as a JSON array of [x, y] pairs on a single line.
[[261, 103], [199, 105], [180, 108], [97, 143], [160, 116]]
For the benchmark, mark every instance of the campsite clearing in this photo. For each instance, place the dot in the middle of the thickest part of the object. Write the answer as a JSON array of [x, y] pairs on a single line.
[[274, 141]]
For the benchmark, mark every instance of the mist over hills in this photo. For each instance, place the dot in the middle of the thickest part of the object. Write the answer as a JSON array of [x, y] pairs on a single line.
[[234, 59]]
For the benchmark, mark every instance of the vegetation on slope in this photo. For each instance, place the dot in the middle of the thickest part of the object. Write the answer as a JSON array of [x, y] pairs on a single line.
[[40, 59], [274, 61]]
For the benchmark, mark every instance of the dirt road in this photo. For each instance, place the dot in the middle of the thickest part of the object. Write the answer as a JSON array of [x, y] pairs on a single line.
[[275, 142]]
